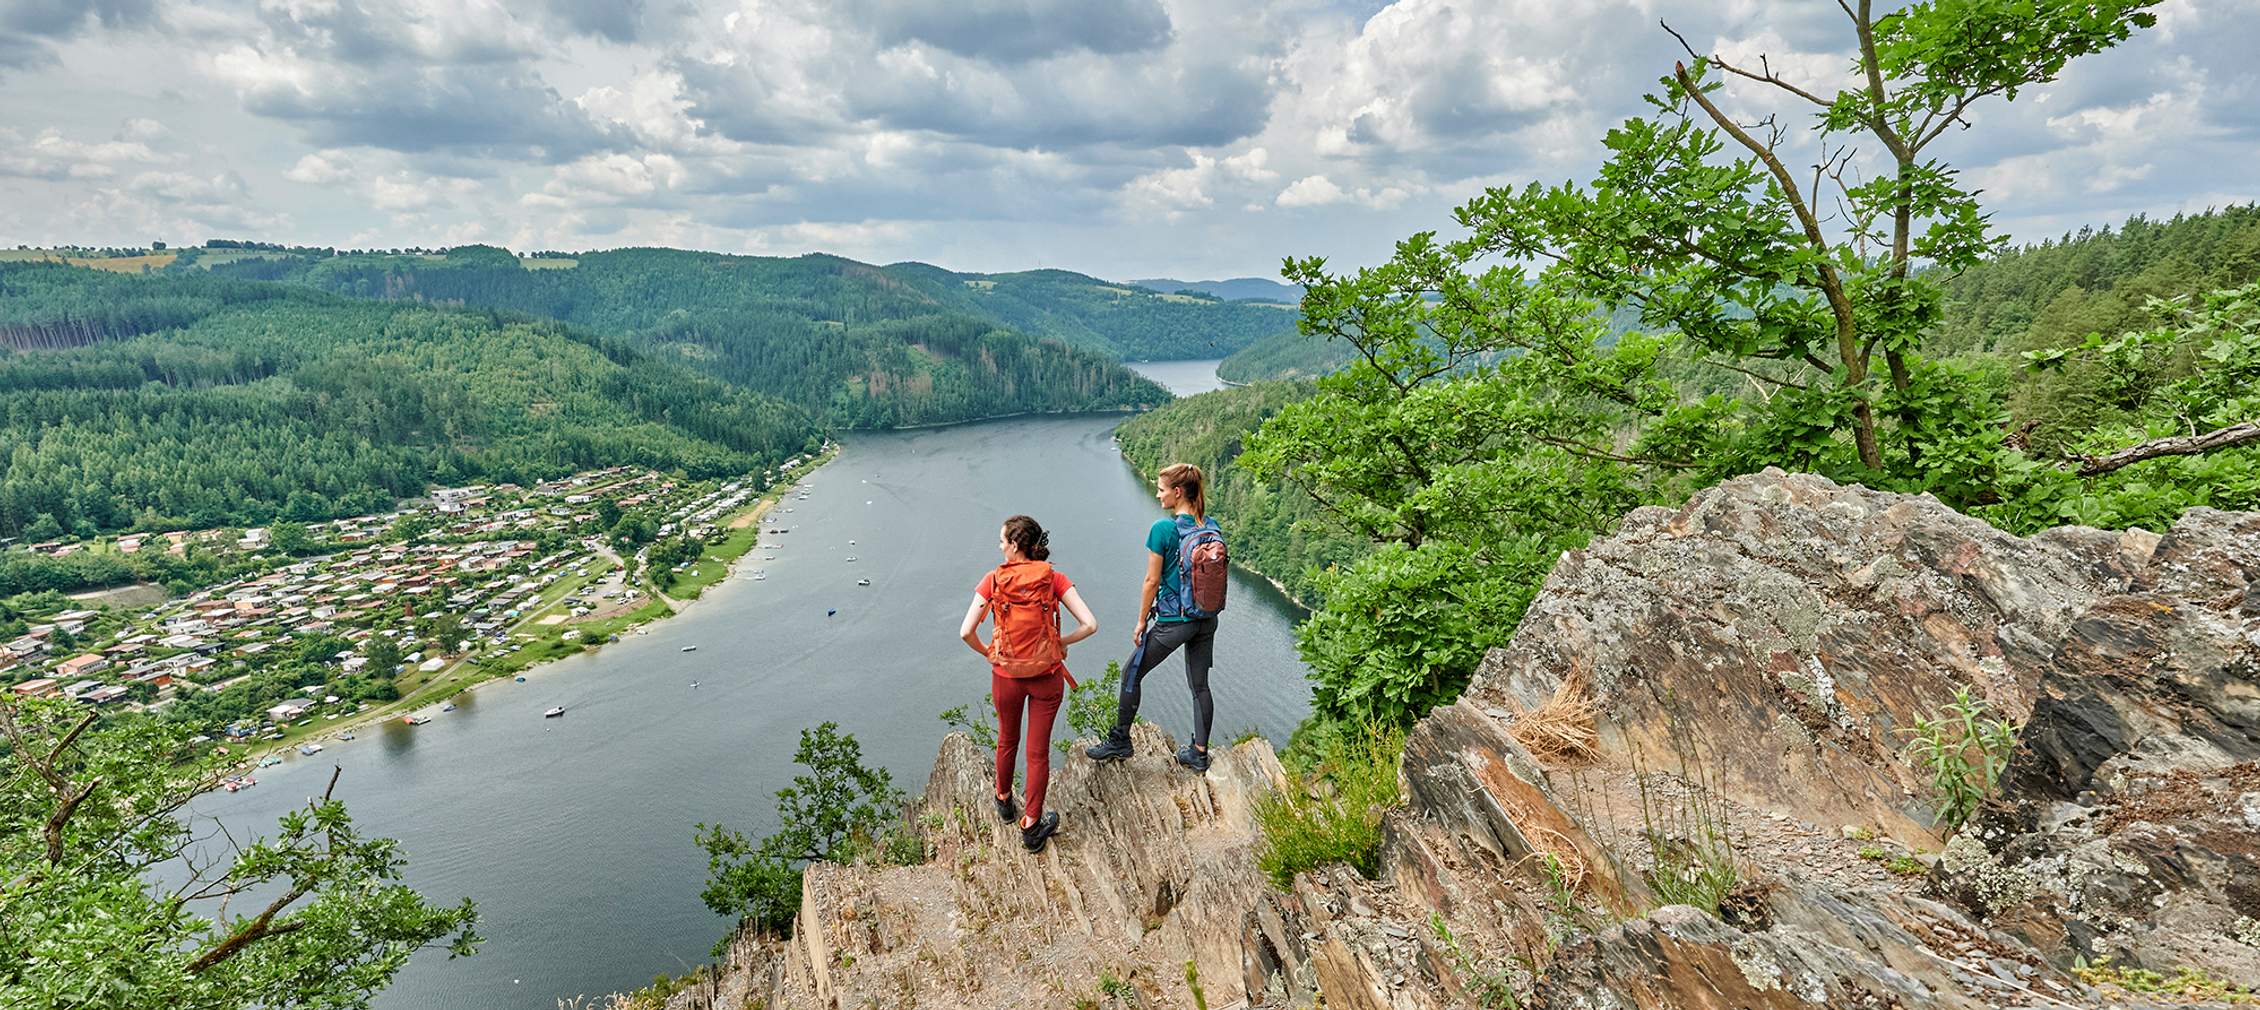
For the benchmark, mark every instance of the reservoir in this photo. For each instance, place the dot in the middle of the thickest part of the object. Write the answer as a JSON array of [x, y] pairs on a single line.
[[574, 835]]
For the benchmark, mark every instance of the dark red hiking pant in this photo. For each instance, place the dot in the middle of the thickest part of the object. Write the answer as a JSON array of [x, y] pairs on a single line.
[[1042, 696]]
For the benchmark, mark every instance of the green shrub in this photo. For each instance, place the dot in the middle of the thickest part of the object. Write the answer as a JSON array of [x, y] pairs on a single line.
[[1331, 810], [1964, 753], [979, 729], [1091, 706]]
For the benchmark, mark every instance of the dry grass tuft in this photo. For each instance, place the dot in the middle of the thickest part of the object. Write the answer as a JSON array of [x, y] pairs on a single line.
[[1560, 731]]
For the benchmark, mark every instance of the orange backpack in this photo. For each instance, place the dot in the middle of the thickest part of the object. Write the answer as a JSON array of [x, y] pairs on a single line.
[[1025, 612]]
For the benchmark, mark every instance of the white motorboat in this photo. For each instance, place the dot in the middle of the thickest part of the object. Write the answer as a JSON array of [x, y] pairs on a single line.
[[554, 712]]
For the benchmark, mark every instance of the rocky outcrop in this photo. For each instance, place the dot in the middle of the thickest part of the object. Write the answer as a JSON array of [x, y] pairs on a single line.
[[2128, 823], [1751, 664], [1148, 884]]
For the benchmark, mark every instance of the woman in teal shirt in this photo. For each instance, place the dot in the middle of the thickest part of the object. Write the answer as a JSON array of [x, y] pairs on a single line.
[[1181, 490]]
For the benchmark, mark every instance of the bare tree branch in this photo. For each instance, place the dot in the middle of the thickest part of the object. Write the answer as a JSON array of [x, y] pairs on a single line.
[[2177, 445], [1763, 75]]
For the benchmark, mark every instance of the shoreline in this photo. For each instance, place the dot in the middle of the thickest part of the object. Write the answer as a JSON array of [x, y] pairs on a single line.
[[1003, 417], [412, 703]]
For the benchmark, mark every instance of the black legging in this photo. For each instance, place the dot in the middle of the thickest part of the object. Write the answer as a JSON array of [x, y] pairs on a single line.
[[1199, 640]]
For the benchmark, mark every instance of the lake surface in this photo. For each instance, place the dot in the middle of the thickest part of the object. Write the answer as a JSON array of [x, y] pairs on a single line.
[[574, 834]]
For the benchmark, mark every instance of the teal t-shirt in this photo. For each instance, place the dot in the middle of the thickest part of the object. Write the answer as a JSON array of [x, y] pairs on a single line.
[[1161, 539]]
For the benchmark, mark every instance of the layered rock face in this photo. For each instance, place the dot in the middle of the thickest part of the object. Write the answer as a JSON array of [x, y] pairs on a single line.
[[1746, 670]]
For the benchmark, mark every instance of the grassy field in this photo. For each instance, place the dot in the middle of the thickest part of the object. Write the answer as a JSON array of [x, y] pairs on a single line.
[[117, 264], [714, 565]]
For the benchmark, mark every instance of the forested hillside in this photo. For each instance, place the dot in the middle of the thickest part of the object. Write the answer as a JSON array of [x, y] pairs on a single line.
[[848, 341], [758, 318], [194, 401], [1123, 321], [1288, 355]]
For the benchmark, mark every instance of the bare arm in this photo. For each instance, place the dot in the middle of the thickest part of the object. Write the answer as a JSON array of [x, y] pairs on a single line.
[[1146, 596], [1085, 624], [973, 616]]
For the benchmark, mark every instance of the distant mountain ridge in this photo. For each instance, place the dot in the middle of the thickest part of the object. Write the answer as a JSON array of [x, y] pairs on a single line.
[[861, 346], [1236, 289]]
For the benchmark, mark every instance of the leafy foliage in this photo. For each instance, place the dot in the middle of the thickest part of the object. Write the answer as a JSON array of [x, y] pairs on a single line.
[[838, 811], [1964, 752], [88, 813], [1090, 707]]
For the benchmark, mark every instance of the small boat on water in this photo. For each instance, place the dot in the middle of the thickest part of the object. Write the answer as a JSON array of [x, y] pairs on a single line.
[[851, 557], [521, 680], [269, 761], [347, 735], [415, 720], [449, 707], [309, 749], [694, 685], [863, 582], [690, 648], [851, 543], [832, 611], [554, 712]]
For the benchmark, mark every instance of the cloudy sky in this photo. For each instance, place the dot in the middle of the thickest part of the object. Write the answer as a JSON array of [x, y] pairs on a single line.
[[1123, 138]]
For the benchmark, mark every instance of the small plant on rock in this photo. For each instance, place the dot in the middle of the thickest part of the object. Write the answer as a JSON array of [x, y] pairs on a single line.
[[1090, 707], [1691, 858], [1491, 988], [977, 729], [1331, 810], [1964, 752]]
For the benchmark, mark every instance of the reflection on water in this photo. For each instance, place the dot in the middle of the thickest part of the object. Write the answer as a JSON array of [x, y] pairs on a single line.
[[574, 834]]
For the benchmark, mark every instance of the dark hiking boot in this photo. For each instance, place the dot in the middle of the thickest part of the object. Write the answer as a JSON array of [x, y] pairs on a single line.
[[1113, 748], [1193, 757], [1035, 835], [1006, 811]]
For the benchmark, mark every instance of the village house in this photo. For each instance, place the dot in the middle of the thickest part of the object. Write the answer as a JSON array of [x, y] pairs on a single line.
[[44, 687], [291, 709], [79, 666]]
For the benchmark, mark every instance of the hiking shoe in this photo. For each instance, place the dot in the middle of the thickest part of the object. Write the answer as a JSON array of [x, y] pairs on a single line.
[[1035, 835], [1193, 757], [1109, 749], [1005, 809]]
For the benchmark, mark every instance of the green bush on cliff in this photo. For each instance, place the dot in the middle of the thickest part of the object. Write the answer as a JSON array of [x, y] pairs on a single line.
[[838, 811]]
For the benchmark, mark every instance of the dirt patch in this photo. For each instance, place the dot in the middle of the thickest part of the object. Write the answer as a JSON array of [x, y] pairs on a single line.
[[140, 594], [751, 516]]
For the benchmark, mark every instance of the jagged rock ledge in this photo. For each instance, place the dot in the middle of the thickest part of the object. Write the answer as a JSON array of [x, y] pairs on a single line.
[[1751, 662]]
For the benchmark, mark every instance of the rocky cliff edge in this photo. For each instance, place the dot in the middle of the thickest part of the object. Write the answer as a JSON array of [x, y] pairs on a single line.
[[1721, 691]]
